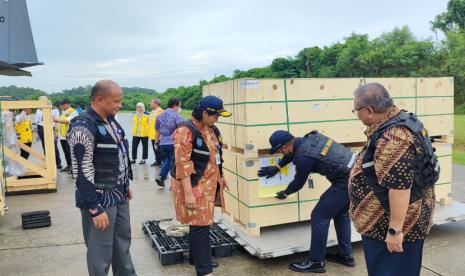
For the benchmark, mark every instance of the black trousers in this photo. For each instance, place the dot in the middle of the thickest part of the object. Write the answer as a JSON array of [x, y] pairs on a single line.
[[65, 147], [40, 131], [24, 153], [200, 251], [145, 147], [157, 152], [380, 262]]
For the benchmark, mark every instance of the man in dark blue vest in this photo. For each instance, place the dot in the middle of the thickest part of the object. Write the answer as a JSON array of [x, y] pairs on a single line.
[[316, 153], [100, 161]]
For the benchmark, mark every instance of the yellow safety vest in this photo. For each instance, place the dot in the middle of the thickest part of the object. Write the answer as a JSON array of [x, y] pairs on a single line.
[[153, 120], [144, 125], [24, 131], [64, 116]]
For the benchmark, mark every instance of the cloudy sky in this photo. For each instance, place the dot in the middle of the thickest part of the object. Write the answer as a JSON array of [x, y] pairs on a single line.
[[161, 44]]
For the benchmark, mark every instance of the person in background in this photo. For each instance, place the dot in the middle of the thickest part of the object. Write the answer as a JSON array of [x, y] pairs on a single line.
[[67, 114], [197, 178], [140, 132], [102, 171], [156, 110], [79, 108], [166, 124], [24, 130], [40, 130]]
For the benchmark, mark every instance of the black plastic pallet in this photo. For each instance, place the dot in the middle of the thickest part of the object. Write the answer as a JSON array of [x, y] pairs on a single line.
[[175, 250]]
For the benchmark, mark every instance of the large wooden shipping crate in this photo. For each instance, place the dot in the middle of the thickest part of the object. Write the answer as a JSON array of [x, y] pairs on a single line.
[[263, 106]]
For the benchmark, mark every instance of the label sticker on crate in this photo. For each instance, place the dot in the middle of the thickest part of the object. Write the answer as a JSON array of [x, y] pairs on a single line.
[[249, 84], [270, 186]]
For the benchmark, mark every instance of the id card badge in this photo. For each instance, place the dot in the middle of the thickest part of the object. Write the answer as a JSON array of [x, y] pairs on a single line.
[[218, 159]]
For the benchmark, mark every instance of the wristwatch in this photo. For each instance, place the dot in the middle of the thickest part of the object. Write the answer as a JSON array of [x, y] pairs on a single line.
[[393, 231]]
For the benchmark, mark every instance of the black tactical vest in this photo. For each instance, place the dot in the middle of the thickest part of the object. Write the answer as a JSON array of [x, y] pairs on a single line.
[[334, 160], [106, 153], [426, 170], [200, 153]]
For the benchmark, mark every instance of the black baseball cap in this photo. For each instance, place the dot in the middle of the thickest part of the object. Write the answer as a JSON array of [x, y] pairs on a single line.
[[278, 139], [214, 104]]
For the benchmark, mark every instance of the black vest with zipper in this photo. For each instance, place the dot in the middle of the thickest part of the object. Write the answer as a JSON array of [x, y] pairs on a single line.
[[200, 153], [106, 153], [334, 160], [426, 165]]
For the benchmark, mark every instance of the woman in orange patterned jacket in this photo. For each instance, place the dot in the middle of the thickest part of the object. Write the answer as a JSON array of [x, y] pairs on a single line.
[[197, 180]]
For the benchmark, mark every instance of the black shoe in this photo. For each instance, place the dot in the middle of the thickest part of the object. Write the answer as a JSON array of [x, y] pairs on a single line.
[[142, 162], [158, 164], [160, 181], [154, 164], [65, 169], [308, 266], [133, 161], [59, 167], [344, 260]]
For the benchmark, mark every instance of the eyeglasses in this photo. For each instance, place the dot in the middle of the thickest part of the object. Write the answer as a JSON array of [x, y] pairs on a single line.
[[358, 109]]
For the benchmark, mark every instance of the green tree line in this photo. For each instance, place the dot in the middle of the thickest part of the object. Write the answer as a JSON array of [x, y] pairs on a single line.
[[397, 53]]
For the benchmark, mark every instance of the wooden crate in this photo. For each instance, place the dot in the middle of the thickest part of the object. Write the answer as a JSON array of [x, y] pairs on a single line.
[[251, 212], [263, 106], [45, 171], [443, 188]]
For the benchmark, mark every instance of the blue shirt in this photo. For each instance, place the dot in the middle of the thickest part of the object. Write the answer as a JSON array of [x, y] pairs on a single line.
[[81, 139], [166, 124]]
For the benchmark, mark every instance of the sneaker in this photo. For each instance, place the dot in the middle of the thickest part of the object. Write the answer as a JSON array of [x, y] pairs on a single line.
[[154, 164], [65, 169], [160, 181], [158, 164], [142, 162], [344, 260], [59, 167], [133, 161], [308, 266]]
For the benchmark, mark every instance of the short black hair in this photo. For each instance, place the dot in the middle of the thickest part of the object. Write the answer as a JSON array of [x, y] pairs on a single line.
[[173, 102], [197, 112]]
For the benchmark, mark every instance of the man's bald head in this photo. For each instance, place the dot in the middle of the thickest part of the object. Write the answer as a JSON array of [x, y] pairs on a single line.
[[374, 95], [102, 88], [106, 98]]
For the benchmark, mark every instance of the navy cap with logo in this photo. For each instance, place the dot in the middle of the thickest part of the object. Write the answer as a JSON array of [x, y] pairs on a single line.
[[214, 105], [278, 139]]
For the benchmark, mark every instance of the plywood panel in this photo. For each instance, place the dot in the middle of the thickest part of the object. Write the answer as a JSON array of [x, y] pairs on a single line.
[[252, 90], [248, 193], [265, 113], [231, 205], [436, 86], [396, 87], [306, 209], [439, 125], [320, 185], [260, 217], [431, 106], [306, 89]]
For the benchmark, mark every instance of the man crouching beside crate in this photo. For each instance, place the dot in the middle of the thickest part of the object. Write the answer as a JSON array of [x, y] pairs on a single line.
[[316, 153]]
